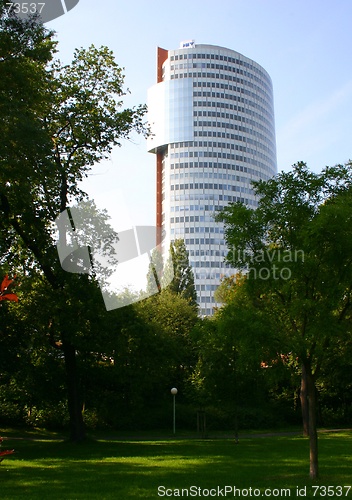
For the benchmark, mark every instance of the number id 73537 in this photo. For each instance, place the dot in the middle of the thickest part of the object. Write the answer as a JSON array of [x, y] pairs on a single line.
[[49, 10], [331, 491], [25, 8]]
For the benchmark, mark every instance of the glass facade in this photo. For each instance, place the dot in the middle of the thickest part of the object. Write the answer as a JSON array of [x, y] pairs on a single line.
[[212, 119], [171, 112]]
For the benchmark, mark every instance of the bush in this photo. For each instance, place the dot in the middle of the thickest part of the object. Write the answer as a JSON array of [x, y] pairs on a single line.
[[51, 417]]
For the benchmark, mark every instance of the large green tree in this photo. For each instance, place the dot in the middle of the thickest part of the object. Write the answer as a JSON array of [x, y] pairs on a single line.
[[296, 250], [172, 318], [56, 122], [235, 348]]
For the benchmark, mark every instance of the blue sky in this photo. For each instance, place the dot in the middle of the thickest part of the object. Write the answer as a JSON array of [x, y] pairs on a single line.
[[305, 45]]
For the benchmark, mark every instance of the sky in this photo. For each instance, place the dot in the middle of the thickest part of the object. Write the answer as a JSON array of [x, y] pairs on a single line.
[[305, 45]]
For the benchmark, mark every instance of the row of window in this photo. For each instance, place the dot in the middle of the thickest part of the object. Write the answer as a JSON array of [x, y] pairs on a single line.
[[217, 57], [227, 166], [202, 196], [239, 97], [222, 145], [207, 208], [207, 253], [259, 85], [211, 186], [208, 276], [266, 139], [220, 154], [225, 145], [196, 154], [267, 110], [193, 218], [206, 311], [253, 161], [218, 165], [206, 264], [202, 208], [206, 299], [228, 198], [230, 78], [216, 85], [263, 139], [204, 241], [208, 288], [238, 109], [268, 166], [199, 229], [208, 175], [268, 130], [212, 154], [230, 116], [193, 208], [235, 117], [230, 156]]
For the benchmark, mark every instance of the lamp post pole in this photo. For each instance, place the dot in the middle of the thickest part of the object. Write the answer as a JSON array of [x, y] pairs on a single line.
[[174, 392]]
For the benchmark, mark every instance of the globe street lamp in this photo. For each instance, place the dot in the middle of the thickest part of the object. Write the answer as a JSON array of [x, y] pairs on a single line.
[[174, 392]]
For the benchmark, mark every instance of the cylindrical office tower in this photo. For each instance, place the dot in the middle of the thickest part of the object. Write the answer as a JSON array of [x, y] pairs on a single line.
[[212, 121]]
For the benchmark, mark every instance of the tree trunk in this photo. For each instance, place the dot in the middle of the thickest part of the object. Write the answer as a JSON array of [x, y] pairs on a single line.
[[313, 436], [236, 404], [77, 429], [304, 402]]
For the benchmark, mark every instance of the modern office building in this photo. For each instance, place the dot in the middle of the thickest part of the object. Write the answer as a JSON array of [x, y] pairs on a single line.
[[212, 119]]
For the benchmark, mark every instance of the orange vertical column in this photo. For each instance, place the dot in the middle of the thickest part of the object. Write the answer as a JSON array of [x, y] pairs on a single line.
[[162, 55]]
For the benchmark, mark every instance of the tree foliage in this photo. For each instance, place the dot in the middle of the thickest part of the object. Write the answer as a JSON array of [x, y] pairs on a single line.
[[57, 121], [296, 249], [179, 267], [63, 356]]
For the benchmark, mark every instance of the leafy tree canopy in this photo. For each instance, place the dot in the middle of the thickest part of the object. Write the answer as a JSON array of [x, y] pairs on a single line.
[[56, 122], [296, 251]]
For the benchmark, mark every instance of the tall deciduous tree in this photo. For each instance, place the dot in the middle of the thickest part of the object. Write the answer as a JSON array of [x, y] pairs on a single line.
[[172, 317], [183, 277], [296, 249], [155, 272], [56, 122]]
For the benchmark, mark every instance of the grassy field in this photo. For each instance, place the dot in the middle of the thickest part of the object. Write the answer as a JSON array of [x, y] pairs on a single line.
[[44, 468]]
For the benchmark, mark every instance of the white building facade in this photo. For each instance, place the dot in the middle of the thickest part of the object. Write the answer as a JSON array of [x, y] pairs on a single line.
[[212, 120]]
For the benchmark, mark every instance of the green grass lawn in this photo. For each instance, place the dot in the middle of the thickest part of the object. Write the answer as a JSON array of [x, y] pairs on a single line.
[[125, 469]]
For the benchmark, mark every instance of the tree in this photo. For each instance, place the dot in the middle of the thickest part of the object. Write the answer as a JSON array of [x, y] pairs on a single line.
[[56, 122], [32, 374], [234, 349], [155, 270], [183, 277], [295, 248], [172, 318]]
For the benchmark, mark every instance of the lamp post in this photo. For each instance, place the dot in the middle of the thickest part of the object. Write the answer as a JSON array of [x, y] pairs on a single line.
[[174, 392]]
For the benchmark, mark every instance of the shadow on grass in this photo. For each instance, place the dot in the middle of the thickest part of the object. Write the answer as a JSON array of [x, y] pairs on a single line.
[[135, 469]]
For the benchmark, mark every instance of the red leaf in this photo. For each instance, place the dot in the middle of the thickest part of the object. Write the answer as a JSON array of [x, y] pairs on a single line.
[[6, 282], [9, 296], [6, 452]]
